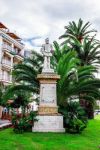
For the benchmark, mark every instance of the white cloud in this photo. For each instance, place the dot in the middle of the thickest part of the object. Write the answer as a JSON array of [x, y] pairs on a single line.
[[30, 18]]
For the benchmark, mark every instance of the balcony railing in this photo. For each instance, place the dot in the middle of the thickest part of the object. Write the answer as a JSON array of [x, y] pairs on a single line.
[[13, 50], [7, 47], [20, 54], [6, 62], [5, 78]]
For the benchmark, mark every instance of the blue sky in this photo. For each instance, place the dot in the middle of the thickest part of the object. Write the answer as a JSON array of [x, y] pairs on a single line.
[[38, 19]]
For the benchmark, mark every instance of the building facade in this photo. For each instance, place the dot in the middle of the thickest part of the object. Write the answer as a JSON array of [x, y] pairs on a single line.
[[27, 53], [11, 53]]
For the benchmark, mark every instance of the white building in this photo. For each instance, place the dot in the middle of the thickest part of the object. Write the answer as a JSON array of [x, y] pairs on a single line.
[[11, 52], [27, 53]]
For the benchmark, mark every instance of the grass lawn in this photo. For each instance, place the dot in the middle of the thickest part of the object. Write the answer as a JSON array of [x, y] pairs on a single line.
[[88, 140]]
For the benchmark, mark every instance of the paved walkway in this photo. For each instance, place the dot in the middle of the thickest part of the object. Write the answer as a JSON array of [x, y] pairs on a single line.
[[4, 123]]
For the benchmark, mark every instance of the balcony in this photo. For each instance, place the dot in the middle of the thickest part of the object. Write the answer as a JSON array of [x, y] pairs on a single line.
[[19, 56], [7, 47], [13, 51], [5, 79], [6, 64], [18, 52]]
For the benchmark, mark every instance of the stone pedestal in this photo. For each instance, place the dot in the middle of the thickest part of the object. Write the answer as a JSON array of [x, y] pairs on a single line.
[[49, 123], [49, 120]]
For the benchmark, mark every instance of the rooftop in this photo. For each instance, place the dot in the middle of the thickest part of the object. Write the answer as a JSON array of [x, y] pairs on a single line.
[[3, 26], [11, 34]]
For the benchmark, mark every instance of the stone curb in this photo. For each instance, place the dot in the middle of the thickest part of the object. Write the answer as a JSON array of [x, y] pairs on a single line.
[[5, 125]]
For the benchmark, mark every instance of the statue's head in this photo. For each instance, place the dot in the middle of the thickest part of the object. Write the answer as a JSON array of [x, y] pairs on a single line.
[[47, 40]]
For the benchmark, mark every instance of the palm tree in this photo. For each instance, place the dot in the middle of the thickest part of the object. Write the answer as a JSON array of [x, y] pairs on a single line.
[[87, 51], [78, 39], [69, 86], [75, 79], [26, 72], [58, 53], [25, 75], [76, 31]]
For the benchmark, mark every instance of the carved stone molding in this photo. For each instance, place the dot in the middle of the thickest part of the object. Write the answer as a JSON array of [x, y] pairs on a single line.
[[52, 76], [47, 110]]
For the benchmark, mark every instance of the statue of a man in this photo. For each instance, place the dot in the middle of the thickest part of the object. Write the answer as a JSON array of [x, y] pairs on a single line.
[[47, 53]]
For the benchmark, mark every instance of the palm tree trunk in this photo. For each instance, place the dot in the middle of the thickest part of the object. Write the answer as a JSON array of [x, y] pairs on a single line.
[[88, 107], [89, 110]]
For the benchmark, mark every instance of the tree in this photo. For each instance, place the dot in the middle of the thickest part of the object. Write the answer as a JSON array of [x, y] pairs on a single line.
[[79, 40], [76, 80], [87, 51], [87, 47], [26, 73], [77, 31], [25, 76]]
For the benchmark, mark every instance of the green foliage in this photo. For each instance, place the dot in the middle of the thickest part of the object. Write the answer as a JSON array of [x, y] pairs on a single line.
[[75, 61], [75, 119], [33, 115], [23, 123], [78, 38], [0, 96], [75, 79], [20, 99], [25, 75], [76, 31], [87, 51], [81, 81], [2, 93]]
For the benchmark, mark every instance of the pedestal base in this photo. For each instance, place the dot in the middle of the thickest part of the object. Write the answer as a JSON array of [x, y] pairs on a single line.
[[49, 123]]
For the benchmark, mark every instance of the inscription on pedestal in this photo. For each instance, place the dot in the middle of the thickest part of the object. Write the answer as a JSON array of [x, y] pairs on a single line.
[[48, 93]]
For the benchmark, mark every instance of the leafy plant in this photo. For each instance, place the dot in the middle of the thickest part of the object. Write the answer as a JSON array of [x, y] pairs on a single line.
[[24, 123], [75, 120], [2, 93]]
